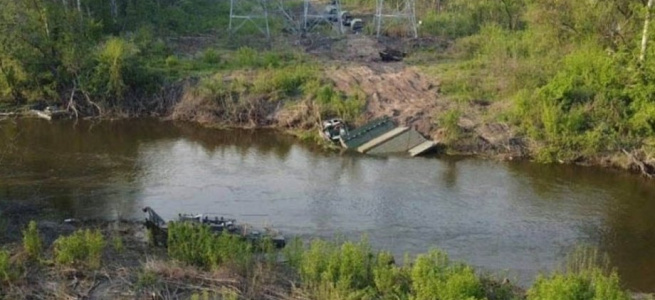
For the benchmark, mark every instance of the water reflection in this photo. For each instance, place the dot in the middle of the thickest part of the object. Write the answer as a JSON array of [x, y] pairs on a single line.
[[519, 217]]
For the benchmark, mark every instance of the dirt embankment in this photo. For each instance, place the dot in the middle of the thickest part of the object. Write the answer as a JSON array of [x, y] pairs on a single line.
[[392, 89]]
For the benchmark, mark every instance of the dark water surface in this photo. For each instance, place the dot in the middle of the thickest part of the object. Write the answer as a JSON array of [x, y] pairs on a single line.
[[515, 219]]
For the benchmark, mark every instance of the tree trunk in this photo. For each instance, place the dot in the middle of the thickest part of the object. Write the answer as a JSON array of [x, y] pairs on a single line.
[[644, 36], [114, 10]]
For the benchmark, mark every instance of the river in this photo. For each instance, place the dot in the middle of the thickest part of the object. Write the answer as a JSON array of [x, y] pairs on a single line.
[[515, 219]]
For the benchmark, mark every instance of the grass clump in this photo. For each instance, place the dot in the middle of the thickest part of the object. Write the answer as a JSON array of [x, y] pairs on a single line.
[[350, 270], [32, 241], [334, 103], [117, 243], [83, 247], [7, 269], [588, 285], [449, 122], [198, 245], [434, 276], [586, 276]]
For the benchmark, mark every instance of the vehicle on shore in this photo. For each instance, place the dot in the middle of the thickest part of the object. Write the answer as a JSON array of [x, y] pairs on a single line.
[[333, 129], [220, 225]]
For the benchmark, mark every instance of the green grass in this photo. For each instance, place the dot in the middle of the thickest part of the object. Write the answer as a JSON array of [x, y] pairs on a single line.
[[198, 245], [7, 269], [82, 248], [32, 241]]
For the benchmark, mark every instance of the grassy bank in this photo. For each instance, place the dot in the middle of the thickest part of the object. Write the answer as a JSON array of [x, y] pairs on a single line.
[[552, 81], [115, 260]]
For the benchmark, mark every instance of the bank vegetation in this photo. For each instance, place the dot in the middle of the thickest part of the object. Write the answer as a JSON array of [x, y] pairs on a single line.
[[571, 81], [115, 260]]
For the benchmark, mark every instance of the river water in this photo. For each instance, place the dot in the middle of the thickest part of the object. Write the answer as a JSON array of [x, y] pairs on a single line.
[[515, 219]]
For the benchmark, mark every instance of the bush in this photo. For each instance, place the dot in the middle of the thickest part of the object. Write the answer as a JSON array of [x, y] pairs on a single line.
[[333, 103], [32, 241], [172, 61], [211, 56], [117, 243], [391, 282], [449, 121], [83, 247], [198, 245], [588, 285], [331, 269], [6, 268], [246, 57], [434, 276]]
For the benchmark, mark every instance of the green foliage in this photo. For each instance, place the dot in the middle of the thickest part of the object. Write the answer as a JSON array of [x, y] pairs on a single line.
[[579, 112], [434, 276], [331, 270], [211, 56], [391, 282], [449, 121], [198, 245], [117, 243], [32, 241], [283, 82], [247, 57], [293, 253], [83, 247], [587, 285], [147, 278], [113, 60], [333, 103], [7, 270], [586, 275]]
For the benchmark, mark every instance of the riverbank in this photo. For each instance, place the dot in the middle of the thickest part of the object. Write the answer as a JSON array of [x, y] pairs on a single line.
[[293, 98], [124, 265]]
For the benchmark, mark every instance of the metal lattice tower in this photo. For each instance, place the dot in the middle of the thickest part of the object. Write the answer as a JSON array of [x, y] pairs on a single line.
[[312, 17], [253, 11], [407, 12]]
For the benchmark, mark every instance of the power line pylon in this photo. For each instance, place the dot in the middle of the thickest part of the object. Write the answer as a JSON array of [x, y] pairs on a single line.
[[407, 13], [253, 11], [330, 14]]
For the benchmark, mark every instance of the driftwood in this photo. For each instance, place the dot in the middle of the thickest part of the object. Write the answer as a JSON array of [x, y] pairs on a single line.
[[645, 168]]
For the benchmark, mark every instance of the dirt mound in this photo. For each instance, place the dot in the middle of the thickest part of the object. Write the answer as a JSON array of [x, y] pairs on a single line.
[[404, 94]]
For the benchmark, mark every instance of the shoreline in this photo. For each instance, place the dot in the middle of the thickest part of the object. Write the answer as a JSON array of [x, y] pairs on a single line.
[[469, 147], [133, 268]]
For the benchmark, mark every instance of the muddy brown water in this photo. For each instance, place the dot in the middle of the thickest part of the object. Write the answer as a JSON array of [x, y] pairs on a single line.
[[512, 219]]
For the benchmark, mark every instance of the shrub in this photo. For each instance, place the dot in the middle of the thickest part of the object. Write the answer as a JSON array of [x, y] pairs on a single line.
[[586, 276], [198, 245], [147, 278], [246, 57], [117, 243], [211, 56], [391, 282], [293, 253], [82, 247], [172, 61], [449, 122], [588, 285], [32, 241], [333, 103], [6, 268], [331, 269], [434, 276]]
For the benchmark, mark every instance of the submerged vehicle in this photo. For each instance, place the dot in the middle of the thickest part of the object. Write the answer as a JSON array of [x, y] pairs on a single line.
[[333, 129], [219, 225]]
